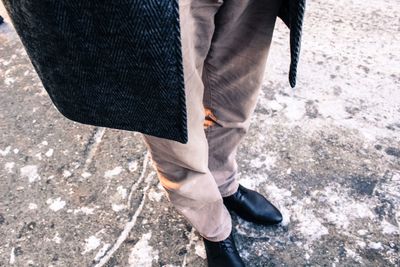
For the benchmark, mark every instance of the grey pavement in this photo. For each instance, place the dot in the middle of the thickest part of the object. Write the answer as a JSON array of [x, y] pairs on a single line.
[[327, 154]]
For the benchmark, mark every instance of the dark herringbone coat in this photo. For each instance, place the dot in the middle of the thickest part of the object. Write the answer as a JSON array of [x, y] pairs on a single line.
[[117, 63]]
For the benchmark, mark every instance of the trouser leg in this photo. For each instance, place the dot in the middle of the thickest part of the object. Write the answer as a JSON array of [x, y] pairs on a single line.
[[183, 168], [232, 74]]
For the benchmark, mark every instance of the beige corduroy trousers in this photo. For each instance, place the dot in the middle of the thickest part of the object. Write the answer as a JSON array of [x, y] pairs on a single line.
[[225, 44]]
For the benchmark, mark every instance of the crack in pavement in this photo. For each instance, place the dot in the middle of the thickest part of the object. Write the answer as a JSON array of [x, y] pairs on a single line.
[[92, 145], [136, 184], [128, 227]]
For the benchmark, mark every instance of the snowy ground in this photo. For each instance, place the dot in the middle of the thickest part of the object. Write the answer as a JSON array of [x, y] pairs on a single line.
[[327, 154]]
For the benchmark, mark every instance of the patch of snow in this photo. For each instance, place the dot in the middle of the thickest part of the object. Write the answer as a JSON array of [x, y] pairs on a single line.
[[12, 256], [361, 244], [362, 232], [251, 182], [55, 204], [200, 250], [122, 191], [84, 210], [31, 172], [67, 173], [308, 224], [49, 153], [142, 254], [279, 194], [295, 109], [114, 172], [343, 209], [86, 174], [92, 243], [375, 245], [132, 166], [57, 238], [274, 105], [9, 166], [353, 254], [5, 151], [118, 207], [155, 196], [388, 228], [32, 206]]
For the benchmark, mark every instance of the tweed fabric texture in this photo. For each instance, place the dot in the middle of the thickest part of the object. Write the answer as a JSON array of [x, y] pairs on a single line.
[[113, 63], [118, 64], [292, 14]]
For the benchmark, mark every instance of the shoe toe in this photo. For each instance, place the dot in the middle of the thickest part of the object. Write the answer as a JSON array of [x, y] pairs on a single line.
[[272, 216], [253, 206], [265, 211]]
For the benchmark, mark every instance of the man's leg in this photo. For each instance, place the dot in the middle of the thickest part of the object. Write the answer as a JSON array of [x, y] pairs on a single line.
[[232, 75], [183, 168]]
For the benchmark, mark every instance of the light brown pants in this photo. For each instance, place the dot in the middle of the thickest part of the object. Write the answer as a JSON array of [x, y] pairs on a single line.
[[225, 44]]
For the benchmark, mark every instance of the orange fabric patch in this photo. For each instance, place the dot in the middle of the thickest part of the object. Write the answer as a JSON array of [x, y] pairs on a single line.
[[210, 118]]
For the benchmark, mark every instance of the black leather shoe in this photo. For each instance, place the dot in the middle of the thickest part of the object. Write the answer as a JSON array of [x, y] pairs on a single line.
[[223, 253], [252, 206]]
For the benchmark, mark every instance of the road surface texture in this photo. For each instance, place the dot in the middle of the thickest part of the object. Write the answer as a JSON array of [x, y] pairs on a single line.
[[327, 154]]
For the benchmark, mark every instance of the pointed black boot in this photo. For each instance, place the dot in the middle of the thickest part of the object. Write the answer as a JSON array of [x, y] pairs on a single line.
[[223, 253], [252, 206]]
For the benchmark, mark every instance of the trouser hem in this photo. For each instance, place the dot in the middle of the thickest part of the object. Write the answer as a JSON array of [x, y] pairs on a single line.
[[223, 235], [234, 187]]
